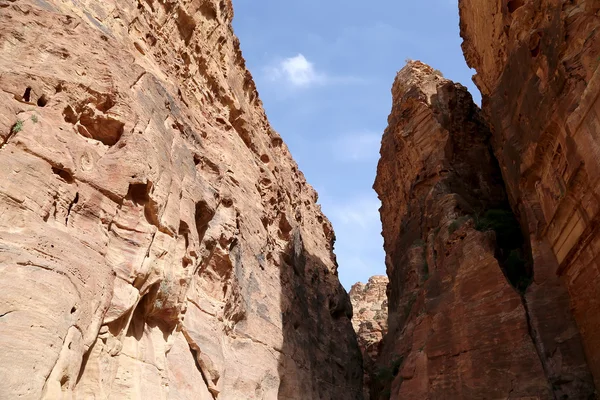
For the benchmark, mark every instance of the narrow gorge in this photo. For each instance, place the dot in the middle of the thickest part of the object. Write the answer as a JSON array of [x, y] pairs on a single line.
[[158, 241]]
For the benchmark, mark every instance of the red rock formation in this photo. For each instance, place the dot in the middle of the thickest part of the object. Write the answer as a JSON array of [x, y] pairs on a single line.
[[459, 327], [537, 68], [157, 239], [369, 321]]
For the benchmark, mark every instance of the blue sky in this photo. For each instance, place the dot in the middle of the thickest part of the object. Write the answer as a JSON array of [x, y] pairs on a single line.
[[324, 70]]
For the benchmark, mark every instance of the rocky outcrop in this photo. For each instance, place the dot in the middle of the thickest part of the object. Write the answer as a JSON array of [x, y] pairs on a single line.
[[461, 323], [369, 302], [157, 239], [537, 68]]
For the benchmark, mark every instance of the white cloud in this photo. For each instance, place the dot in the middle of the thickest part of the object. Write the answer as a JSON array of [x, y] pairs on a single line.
[[357, 147], [297, 71]]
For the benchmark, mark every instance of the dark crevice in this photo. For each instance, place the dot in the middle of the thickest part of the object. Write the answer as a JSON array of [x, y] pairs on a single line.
[[75, 201], [513, 5], [42, 101], [512, 251], [27, 95], [139, 194], [204, 214], [64, 175], [539, 348]]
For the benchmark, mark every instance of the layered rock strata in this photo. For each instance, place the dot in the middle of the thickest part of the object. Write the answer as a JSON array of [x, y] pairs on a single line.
[[369, 302], [459, 324], [157, 239], [537, 69]]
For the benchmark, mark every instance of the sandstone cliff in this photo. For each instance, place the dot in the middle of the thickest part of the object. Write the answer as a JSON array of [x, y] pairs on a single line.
[[157, 239], [369, 302], [459, 324], [537, 68]]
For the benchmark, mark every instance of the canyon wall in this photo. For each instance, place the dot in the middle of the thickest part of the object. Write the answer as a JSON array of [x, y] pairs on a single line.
[[369, 302], [465, 319], [157, 240], [537, 69]]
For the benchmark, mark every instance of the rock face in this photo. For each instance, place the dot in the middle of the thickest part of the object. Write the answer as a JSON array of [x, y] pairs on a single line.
[[459, 324], [537, 68], [370, 321], [157, 239]]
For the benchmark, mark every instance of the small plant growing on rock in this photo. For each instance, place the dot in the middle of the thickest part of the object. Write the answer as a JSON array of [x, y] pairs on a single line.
[[457, 223], [34, 118], [18, 127]]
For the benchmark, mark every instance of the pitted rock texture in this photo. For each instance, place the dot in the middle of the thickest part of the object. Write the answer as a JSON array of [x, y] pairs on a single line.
[[157, 240], [537, 68], [459, 327], [369, 302]]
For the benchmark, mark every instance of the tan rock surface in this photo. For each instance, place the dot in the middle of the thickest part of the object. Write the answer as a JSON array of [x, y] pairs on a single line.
[[459, 327], [537, 68], [369, 302], [157, 239]]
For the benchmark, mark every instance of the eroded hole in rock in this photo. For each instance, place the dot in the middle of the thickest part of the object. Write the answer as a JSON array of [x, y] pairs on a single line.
[[204, 214], [152, 312], [534, 44], [139, 193], [513, 5], [184, 230], [42, 101], [70, 115], [227, 202], [27, 95], [208, 11], [103, 128], [105, 103], [186, 25], [66, 176]]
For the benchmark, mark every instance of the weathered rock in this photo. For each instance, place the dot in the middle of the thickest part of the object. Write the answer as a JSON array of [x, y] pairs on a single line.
[[537, 68], [157, 239], [455, 256], [369, 303]]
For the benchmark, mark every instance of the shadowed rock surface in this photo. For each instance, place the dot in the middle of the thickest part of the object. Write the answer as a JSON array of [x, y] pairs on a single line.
[[157, 239], [537, 69], [369, 302], [461, 322]]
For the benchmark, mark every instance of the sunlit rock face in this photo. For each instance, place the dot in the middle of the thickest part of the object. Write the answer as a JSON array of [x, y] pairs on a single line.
[[537, 68], [157, 239], [369, 302], [465, 319]]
